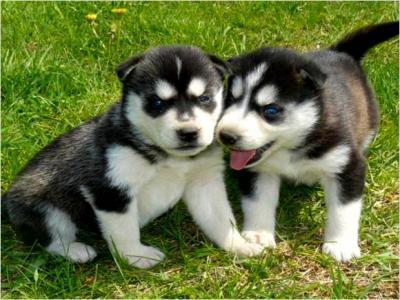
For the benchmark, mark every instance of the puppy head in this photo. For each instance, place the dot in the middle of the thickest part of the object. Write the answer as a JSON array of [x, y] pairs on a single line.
[[174, 97], [272, 103]]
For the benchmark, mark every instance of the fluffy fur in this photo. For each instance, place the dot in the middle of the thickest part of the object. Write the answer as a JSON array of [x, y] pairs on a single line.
[[121, 170], [309, 118]]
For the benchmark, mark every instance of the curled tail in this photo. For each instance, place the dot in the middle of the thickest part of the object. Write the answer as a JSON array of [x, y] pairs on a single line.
[[357, 43]]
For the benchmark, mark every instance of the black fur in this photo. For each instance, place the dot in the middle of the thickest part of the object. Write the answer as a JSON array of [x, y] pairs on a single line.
[[359, 42], [352, 178], [246, 180]]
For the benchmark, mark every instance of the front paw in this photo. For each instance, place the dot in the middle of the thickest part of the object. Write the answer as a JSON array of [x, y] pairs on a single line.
[[145, 257], [341, 251], [246, 249], [261, 237]]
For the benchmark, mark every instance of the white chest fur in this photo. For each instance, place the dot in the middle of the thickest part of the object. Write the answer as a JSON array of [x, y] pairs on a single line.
[[162, 191], [307, 171], [157, 187]]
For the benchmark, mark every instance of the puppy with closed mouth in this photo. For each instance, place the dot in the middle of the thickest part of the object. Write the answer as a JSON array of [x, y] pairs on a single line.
[[309, 118], [121, 170]]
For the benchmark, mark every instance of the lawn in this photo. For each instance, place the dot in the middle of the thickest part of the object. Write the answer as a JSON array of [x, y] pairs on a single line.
[[57, 71]]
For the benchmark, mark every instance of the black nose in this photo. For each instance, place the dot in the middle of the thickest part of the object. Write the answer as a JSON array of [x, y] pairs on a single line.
[[228, 138], [188, 135]]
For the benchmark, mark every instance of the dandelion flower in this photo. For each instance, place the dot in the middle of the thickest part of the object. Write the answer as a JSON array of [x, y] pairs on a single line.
[[91, 17], [119, 11]]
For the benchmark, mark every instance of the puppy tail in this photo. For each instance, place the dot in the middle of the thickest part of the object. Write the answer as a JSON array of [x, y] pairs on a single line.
[[357, 43]]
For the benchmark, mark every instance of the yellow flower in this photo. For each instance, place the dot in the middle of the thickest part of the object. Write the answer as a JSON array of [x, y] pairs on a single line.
[[91, 17], [114, 28], [119, 11]]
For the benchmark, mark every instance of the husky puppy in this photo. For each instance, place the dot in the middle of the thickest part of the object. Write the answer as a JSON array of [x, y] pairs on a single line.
[[125, 168], [309, 118]]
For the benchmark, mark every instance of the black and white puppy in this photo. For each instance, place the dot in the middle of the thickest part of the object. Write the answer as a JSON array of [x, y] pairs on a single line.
[[309, 118], [127, 167]]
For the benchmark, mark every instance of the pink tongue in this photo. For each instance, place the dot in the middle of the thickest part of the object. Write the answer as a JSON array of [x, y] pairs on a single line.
[[239, 159]]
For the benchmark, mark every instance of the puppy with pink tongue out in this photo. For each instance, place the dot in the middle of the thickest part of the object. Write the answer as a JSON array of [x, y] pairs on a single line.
[[307, 117]]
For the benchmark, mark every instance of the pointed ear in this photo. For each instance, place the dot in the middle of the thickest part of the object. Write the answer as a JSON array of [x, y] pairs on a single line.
[[311, 75], [220, 65], [124, 69]]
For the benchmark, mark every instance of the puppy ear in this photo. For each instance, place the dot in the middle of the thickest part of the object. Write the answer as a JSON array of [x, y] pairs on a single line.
[[220, 65], [124, 69], [311, 75]]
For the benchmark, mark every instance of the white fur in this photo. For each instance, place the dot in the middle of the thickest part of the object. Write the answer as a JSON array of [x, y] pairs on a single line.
[[341, 234], [251, 80], [254, 77], [266, 95], [285, 163], [121, 231], [237, 87], [259, 211], [121, 165], [165, 90], [63, 234], [196, 87], [205, 197]]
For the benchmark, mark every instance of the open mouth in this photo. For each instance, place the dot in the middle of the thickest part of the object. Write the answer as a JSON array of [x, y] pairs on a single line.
[[240, 159]]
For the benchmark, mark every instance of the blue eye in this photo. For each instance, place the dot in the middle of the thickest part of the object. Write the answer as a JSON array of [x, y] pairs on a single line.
[[204, 99], [272, 112], [157, 104]]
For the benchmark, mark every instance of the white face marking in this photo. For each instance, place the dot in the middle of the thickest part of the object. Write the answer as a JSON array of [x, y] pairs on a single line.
[[165, 90], [266, 95], [253, 78], [255, 131], [178, 65], [162, 131], [196, 87], [237, 87]]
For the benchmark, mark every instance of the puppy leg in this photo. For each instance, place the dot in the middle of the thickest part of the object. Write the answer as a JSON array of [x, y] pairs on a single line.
[[121, 231], [207, 201], [63, 235], [259, 210], [343, 198]]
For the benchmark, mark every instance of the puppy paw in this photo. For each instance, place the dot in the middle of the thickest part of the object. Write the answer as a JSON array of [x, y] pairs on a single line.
[[246, 249], [341, 251], [145, 257], [261, 237], [80, 252]]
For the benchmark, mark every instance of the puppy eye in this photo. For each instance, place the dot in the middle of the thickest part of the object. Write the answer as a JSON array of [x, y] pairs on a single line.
[[158, 104], [204, 99], [272, 112]]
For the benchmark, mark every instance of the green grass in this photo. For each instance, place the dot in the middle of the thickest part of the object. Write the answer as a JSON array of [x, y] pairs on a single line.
[[58, 70]]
